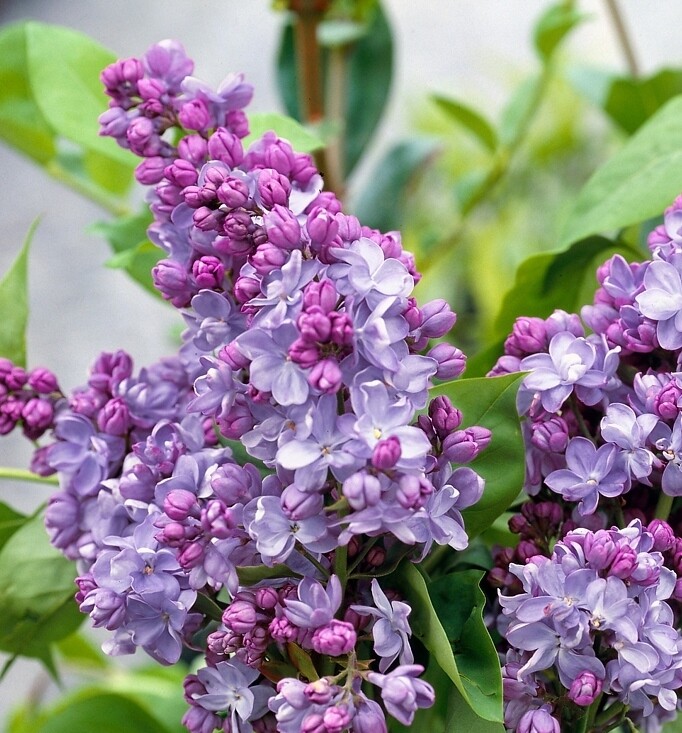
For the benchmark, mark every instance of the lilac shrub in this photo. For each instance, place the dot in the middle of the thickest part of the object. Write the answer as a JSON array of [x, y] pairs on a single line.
[[304, 346], [593, 620]]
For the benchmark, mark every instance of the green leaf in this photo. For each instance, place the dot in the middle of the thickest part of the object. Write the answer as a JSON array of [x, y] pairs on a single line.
[[64, 68], [491, 402], [79, 652], [133, 252], [427, 627], [302, 661], [637, 183], [468, 118], [250, 575], [381, 204], [10, 522], [560, 279], [369, 70], [301, 139], [461, 717], [554, 24], [628, 102], [14, 305], [22, 124], [36, 593], [101, 712]]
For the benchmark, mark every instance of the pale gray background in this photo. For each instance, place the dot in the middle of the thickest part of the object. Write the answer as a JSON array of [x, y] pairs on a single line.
[[475, 50]]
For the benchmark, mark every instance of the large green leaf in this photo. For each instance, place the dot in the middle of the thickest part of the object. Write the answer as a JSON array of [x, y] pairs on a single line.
[[560, 279], [426, 625], [628, 102], [10, 522], [14, 305], [101, 712], [382, 204], [474, 650], [133, 252], [64, 68], [491, 402], [368, 59], [637, 183], [36, 593], [22, 124]]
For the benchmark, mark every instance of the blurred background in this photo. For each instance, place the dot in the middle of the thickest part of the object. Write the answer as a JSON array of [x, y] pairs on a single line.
[[478, 52]]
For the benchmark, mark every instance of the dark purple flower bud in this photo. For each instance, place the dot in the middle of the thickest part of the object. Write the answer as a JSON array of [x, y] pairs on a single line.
[[549, 513], [241, 616], [624, 562], [528, 336], [538, 721], [208, 272], [109, 370], [314, 325], [180, 504], [585, 689], [305, 353], [326, 376], [266, 598], [37, 415], [299, 504], [273, 189], [16, 377], [208, 220], [282, 228], [191, 555], [267, 257], [225, 146], [550, 435], [505, 365], [342, 328], [303, 169], [246, 288], [451, 361], [194, 115], [321, 226], [444, 416], [39, 462], [414, 317], [114, 417], [233, 192], [114, 123], [527, 549], [122, 73], [139, 134], [667, 400], [335, 638], [320, 294], [437, 318], [200, 720], [280, 156], [518, 524], [151, 170], [376, 557], [362, 490], [600, 550], [677, 591], [181, 173], [194, 149], [413, 491], [172, 281], [664, 537], [236, 484], [386, 453], [281, 629], [463, 446]]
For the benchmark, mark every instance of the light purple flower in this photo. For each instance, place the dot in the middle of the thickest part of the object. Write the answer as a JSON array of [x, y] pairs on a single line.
[[661, 300]]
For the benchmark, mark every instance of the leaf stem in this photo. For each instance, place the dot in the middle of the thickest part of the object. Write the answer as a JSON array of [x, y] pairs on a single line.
[[97, 197], [623, 37], [664, 506], [21, 474]]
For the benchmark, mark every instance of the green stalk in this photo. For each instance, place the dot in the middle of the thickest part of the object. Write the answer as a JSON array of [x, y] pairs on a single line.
[[664, 506], [20, 474]]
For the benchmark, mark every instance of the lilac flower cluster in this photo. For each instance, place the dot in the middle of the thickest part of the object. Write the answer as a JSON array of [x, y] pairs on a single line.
[[603, 432], [595, 612], [27, 399], [305, 344]]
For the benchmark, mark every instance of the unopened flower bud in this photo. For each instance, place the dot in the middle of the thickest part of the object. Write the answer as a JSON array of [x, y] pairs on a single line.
[[585, 689], [386, 453], [451, 361]]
